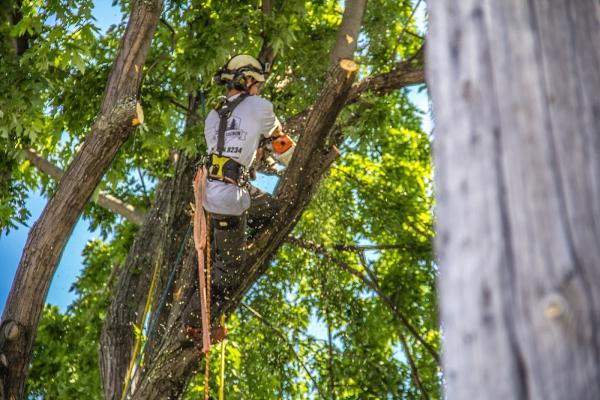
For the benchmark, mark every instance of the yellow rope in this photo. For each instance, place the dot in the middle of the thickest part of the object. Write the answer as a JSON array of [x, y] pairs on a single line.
[[222, 382], [138, 341], [208, 266]]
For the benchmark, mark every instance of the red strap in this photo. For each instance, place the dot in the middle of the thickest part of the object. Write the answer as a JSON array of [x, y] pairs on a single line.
[[200, 243]]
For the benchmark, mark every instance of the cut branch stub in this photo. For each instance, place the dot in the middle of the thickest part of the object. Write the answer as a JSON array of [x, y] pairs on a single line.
[[348, 65], [139, 115], [11, 330]]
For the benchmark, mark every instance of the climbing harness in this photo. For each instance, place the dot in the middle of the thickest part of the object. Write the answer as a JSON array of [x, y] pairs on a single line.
[[220, 167], [225, 169]]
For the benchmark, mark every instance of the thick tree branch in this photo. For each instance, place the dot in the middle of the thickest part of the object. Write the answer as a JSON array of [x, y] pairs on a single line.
[[406, 73], [347, 34], [119, 114], [105, 200]]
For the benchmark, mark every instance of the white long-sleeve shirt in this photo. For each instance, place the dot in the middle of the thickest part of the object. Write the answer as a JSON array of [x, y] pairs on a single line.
[[252, 119]]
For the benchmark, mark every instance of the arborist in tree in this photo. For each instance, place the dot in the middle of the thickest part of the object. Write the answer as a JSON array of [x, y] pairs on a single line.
[[242, 125]]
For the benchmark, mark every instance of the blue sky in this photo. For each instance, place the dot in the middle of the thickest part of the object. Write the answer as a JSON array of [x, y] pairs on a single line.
[[11, 246]]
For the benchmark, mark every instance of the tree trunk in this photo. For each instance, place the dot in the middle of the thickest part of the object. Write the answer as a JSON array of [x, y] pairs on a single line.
[[113, 125], [515, 88], [168, 366]]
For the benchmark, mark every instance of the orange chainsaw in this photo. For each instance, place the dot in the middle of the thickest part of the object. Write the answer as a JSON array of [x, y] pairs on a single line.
[[281, 148], [278, 149]]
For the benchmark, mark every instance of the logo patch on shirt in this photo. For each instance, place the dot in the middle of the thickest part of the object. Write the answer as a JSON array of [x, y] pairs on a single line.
[[233, 129]]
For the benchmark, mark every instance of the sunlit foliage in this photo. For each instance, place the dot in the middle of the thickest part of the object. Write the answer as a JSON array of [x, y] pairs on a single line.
[[309, 328]]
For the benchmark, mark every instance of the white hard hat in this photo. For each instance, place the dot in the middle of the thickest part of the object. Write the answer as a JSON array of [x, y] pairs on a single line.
[[243, 65]]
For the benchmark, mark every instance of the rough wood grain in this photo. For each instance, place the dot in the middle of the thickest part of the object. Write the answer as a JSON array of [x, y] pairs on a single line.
[[515, 88], [49, 235], [159, 237]]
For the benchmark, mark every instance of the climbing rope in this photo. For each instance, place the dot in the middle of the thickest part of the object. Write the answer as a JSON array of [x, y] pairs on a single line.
[[222, 380], [200, 244], [200, 241], [138, 338], [138, 355], [208, 287], [208, 277], [139, 347]]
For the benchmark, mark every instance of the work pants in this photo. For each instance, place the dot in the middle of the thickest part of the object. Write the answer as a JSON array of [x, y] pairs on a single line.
[[228, 250]]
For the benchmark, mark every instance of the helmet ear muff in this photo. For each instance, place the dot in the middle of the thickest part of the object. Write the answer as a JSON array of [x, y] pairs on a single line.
[[234, 76], [239, 81], [219, 79], [219, 76]]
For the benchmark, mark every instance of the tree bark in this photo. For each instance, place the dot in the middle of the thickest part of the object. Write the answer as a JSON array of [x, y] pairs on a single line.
[[347, 33], [158, 240], [517, 150], [50, 233]]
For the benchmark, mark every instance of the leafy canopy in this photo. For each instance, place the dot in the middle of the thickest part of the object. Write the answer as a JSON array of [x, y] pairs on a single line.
[[328, 321]]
